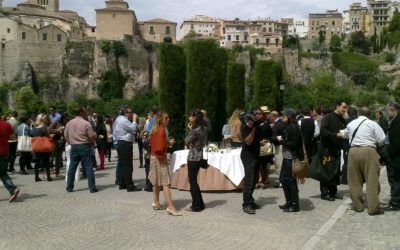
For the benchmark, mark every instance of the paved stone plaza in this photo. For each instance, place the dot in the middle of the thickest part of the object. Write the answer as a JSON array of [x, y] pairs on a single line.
[[47, 217]]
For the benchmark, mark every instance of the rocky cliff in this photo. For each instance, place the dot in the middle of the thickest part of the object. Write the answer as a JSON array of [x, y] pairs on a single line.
[[76, 69]]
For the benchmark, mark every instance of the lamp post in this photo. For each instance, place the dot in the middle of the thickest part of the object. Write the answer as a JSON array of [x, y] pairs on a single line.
[[281, 89]]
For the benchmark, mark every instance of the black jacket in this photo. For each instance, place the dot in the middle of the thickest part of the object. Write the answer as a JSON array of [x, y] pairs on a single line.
[[331, 124], [393, 134], [277, 130], [292, 140]]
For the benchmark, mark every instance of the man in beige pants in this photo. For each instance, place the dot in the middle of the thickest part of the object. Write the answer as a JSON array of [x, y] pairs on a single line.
[[363, 164]]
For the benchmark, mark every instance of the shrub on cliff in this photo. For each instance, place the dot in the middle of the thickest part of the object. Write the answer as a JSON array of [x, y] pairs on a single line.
[[358, 67], [171, 88], [235, 81], [111, 85]]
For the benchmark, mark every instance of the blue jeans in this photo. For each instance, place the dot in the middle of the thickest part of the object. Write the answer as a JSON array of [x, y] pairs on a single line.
[[81, 153], [7, 182]]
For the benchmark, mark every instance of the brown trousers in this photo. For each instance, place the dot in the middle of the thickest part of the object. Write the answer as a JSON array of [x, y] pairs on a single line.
[[363, 167]]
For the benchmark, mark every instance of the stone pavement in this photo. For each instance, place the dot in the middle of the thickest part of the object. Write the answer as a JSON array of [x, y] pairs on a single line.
[[47, 217]]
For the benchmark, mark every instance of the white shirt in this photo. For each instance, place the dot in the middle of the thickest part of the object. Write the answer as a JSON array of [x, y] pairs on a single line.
[[368, 134], [316, 130]]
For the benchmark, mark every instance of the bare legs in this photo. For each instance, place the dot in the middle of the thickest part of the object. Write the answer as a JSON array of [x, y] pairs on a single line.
[[167, 197]]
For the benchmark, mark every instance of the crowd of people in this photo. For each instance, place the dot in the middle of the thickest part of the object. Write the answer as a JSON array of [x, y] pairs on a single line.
[[266, 138]]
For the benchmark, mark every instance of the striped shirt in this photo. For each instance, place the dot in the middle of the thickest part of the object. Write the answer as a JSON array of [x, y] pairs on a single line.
[[124, 130]]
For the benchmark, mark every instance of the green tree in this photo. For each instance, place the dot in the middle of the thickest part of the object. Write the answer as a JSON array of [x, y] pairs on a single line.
[[25, 100], [335, 43], [394, 24], [205, 66], [171, 88], [267, 75], [393, 40], [111, 85], [235, 81], [291, 42], [321, 36], [359, 43]]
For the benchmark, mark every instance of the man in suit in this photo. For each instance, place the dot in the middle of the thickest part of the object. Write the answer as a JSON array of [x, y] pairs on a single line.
[[310, 131], [393, 166]]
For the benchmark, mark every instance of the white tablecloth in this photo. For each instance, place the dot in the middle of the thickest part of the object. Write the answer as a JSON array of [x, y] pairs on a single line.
[[228, 163]]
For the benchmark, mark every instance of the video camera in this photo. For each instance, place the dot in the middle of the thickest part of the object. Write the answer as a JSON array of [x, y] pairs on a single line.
[[245, 118]]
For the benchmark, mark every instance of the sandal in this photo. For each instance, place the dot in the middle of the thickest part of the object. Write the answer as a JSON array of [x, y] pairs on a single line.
[[157, 206]]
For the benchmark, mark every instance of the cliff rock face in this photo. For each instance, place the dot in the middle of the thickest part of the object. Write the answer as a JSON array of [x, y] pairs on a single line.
[[63, 71], [302, 68], [87, 64]]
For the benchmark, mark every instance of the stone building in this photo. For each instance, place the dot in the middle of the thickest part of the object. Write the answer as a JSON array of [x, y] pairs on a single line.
[[202, 27], [359, 19], [380, 13], [115, 21], [263, 33], [156, 30], [35, 32], [330, 23]]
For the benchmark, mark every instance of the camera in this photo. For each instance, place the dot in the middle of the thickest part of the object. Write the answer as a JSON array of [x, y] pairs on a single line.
[[245, 117]]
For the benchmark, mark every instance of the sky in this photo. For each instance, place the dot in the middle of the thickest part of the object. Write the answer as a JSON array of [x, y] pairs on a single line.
[[178, 10]]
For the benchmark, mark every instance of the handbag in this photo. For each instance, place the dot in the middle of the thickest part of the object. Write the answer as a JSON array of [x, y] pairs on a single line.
[[323, 166], [266, 149], [24, 142], [300, 167], [42, 145], [204, 162]]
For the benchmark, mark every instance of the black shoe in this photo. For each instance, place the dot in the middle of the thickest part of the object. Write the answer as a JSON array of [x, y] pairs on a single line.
[[255, 206], [94, 190], [132, 189], [284, 206], [278, 185], [69, 190], [121, 187], [391, 207], [191, 209], [29, 168], [328, 198], [49, 179], [337, 196], [378, 212], [249, 210], [292, 209]]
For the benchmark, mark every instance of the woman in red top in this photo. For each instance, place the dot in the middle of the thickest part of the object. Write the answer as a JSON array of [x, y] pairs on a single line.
[[159, 171]]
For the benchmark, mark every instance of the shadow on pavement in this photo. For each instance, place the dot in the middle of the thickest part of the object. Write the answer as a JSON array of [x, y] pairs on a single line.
[[306, 205], [262, 202], [181, 203], [215, 203], [24, 196]]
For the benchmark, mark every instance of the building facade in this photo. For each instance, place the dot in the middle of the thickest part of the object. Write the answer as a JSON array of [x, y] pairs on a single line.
[[202, 27], [301, 27], [156, 30], [359, 18], [330, 23], [115, 21], [380, 14]]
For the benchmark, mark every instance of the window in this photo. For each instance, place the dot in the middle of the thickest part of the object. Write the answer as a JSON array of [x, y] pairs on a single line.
[[333, 23], [59, 38], [44, 36], [192, 26], [8, 30], [245, 37], [168, 30], [23, 35], [3, 45], [267, 42], [257, 41], [270, 30], [93, 30], [264, 29], [237, 37], [229, 37], [151, 30]]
